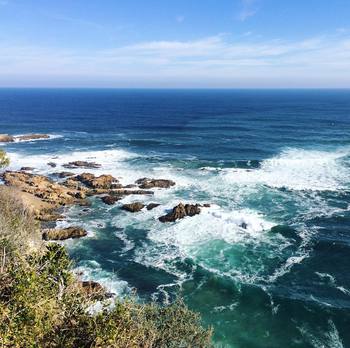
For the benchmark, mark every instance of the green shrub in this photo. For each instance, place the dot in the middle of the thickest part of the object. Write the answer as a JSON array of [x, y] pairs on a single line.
[[43, 305], [4, 160]]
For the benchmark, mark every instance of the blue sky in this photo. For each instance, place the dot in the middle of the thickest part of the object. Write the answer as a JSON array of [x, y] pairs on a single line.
[[175, 43]]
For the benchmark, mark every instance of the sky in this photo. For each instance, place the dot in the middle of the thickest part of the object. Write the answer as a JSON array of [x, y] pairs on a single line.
[[175, 43]]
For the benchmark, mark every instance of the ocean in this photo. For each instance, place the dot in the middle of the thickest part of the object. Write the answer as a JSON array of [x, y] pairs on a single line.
[[268, 263]]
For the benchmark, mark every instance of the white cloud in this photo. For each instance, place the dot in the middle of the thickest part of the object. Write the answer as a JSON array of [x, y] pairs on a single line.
[[211, 61]]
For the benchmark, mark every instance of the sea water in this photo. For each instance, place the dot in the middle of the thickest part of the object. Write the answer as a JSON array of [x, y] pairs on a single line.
[[268, 263]]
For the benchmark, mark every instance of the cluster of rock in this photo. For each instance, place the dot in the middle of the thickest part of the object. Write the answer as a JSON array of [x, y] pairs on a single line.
[[63, 233], [6, 138], [74, 189], [146, 183], [82, 164], [43, 188], [181, 211]]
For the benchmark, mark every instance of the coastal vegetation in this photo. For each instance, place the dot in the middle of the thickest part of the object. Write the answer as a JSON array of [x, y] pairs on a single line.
[[43, 304]]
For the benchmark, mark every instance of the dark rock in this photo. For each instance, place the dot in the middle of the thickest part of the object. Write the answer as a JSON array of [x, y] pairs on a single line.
[[63, 233], [52, 164], [151, 206], [26, 169], [146, 183], [124, 192], [81, 164], [133, 207], [243, 225], [110, 199], [181, 211]]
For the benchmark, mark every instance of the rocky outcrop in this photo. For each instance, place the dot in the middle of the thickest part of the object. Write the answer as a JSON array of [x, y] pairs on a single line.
[[107, 182], [32, 137], [43, 188], [133, 207], [94, 290], [181, 211], [110, 199], [5, 138], [81, 164], [151, 206], [63, 233], [48, 216], [146, 183], [52, 164]]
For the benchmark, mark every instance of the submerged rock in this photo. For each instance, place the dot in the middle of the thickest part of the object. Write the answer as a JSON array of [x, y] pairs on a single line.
[[146, 183], [133, 207], [63, 233], [52, 164], [151, 206], [81, 164], [26, 169], [181, 211], [5, 138]]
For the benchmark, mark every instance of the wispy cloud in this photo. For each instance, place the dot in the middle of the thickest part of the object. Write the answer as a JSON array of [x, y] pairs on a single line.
[[210, 61], [249, 9]]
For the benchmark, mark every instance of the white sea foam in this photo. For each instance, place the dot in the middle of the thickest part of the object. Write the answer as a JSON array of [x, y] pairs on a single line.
[[323, 339], [214, 224], [91, 270], [297, 169], [51, 137]]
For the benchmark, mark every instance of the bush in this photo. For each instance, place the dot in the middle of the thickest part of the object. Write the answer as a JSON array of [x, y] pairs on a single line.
[[43, 305], [4, 160]]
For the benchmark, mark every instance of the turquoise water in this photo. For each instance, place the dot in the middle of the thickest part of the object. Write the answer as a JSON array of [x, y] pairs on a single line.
[[277, 161]]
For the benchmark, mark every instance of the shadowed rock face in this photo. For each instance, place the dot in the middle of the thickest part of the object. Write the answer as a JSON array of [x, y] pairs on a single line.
[[63, 233], [133, 207], [81, 164], [181, 211], [146, 183], [5, 138]]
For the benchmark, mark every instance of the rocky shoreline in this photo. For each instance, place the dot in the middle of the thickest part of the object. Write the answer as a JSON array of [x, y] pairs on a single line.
[[7, 138], [46, 197]]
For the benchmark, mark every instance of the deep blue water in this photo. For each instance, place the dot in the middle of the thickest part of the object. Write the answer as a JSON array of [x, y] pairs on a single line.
[[277, 160]]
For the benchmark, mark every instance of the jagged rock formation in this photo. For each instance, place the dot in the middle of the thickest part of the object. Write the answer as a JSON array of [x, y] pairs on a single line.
[[181, 211]]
